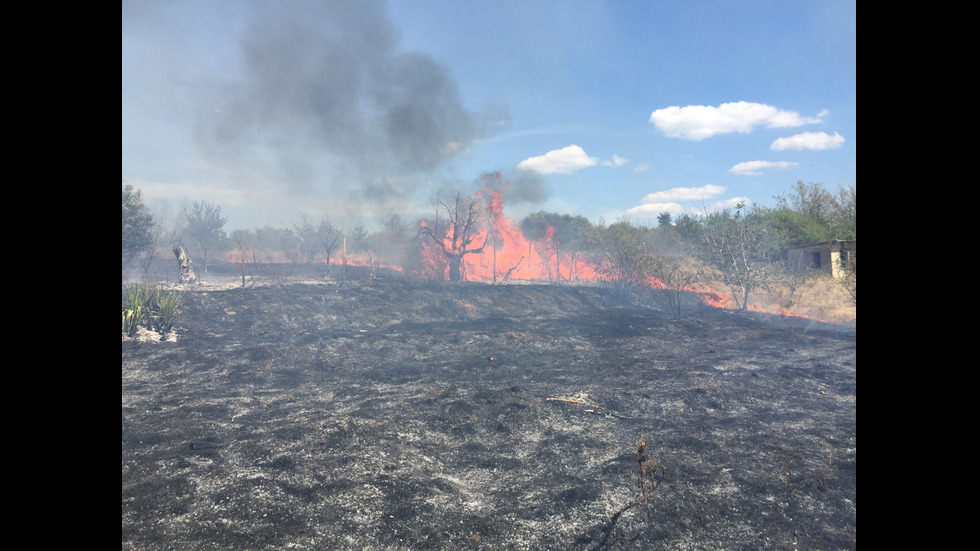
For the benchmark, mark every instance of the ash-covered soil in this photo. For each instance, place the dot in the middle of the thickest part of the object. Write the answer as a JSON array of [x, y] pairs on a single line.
[[396, 414]]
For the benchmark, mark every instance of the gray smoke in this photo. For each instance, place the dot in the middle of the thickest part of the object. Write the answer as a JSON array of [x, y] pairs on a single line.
[[328, 104], [525, 187]]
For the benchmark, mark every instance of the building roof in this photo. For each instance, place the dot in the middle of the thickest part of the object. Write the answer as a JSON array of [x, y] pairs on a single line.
[[831, 242]]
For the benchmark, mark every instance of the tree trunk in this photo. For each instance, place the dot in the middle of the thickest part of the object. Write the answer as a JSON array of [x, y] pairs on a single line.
[[557, 264], [455, 268], [184, 265]]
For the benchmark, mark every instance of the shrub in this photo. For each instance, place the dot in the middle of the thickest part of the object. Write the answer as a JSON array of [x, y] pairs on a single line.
[[145, 305], [135, 307], [166, 311]]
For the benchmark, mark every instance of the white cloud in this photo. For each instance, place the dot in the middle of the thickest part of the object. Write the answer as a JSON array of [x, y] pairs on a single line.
[[616, 161], [683, 194], [559, 161], [816, 141], [667, 201], [728, 203], [647, 210], [752, 168], [642, 167], [697, 122]]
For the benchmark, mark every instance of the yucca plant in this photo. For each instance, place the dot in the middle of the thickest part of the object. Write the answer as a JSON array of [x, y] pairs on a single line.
[[135, 306], [136, 295], [165, 311], [131, 320], [147, 305]]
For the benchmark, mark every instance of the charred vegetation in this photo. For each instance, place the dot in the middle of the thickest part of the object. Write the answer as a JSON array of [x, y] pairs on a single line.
[[393, 413]]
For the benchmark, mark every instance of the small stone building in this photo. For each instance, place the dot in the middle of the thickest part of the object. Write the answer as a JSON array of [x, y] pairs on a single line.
[[834, 257]]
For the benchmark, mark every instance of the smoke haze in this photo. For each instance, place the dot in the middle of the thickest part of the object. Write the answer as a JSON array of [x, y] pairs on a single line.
[[327, 106]]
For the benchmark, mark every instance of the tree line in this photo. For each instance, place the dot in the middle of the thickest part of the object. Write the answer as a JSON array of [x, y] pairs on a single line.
[[744, 247]]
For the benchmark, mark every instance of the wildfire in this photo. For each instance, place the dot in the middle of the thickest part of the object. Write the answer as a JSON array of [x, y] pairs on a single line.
[[500, 251], [486, 245]]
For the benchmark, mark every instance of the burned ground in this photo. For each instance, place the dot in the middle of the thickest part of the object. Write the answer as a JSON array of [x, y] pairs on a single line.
[[395, 414]]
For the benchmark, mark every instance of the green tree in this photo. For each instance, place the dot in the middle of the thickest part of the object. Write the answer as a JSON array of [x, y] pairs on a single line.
[[558, 234], [204, 226], [623, 256], [813, 201], [569, 229], [137, 224], [689, 228], [844, 220], [797, 228], [810, 213]]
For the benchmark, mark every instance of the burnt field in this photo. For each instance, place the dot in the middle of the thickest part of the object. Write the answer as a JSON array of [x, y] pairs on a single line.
[[400, 414]]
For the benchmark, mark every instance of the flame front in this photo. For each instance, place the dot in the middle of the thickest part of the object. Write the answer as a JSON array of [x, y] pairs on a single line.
[[493, 248], [506, 253]]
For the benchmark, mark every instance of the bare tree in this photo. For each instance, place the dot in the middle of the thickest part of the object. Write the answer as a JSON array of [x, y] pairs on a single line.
[[788, 291], [165, 233], [678, 273], [740, 245], [239, 237], [677, 266], [329, 236], [458, 235], [204, 224]]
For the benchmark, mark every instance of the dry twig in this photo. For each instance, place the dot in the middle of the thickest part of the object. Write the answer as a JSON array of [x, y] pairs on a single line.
[[652, 472]]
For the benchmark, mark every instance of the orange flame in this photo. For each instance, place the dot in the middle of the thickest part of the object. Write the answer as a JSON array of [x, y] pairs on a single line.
[[506, 252]]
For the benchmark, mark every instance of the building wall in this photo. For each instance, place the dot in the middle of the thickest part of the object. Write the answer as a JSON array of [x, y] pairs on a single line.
[[844, 258], [826, 257]]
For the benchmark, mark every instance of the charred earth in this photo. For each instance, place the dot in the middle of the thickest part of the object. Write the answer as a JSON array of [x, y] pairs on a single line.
[[399, 414]]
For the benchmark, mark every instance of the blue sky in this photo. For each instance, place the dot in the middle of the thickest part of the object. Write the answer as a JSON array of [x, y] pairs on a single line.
[[353, 109]]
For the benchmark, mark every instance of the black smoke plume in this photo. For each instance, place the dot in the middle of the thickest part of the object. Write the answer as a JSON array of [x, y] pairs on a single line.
[[329, 105]]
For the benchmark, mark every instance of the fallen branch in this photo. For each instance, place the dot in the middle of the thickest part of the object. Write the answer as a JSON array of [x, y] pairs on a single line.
[[514, 267]]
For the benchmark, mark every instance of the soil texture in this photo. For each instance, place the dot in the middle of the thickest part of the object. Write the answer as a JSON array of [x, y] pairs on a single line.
[[400, 414]]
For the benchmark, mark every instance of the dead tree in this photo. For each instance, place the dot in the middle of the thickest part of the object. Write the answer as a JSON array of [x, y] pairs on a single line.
[[185, 266], [458, 235]]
